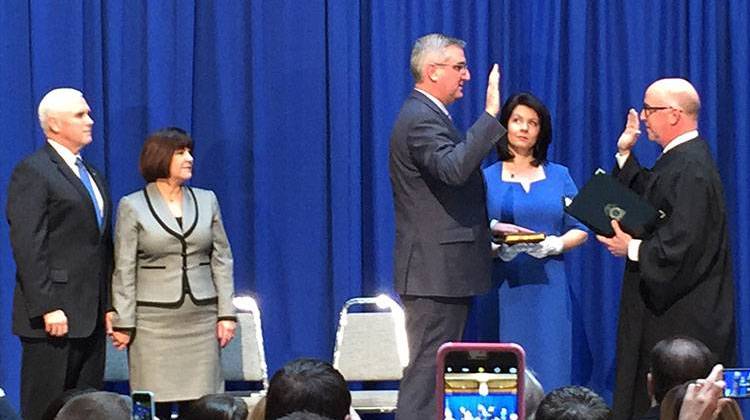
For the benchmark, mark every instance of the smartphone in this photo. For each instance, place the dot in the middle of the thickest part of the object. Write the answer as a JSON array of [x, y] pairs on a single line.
[[480, 380], [737, 382], [143, 405]]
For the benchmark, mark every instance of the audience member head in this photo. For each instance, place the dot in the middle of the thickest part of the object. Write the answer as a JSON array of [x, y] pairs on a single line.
[[533, 394], [304, 415], [674, 361], [158, 151], [539, 131], [573, 403], [217, 407], [96, 405], [54, 407], [308, 385]]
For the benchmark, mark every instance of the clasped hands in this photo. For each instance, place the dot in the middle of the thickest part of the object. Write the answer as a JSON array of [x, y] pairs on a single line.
[[551, 245]]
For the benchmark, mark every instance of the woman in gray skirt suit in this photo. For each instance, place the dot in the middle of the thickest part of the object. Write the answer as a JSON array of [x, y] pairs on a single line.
[[173, 283]]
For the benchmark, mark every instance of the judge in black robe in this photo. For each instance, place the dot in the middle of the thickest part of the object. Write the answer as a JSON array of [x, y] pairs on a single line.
[[678, 277]]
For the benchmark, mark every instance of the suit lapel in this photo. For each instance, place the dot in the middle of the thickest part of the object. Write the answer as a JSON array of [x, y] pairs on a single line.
[[69, 175], [188, 210], [448, 122], [161, 209]]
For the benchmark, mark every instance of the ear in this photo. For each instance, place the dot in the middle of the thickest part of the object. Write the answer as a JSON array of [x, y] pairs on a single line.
[[432, 73], [53, 124], [650, 385], [676, 115]]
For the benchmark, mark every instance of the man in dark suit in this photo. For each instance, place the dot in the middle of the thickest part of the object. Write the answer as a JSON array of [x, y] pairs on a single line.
[[59, 216], [442, 250], [678, 277]]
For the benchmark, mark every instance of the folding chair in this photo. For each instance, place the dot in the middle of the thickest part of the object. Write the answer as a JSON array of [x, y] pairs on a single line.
[[371, 346]]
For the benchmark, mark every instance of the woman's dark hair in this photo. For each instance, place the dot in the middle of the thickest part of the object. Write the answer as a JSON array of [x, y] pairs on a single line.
[[219, 407], [545, 127], [157, 151], [308, 385]]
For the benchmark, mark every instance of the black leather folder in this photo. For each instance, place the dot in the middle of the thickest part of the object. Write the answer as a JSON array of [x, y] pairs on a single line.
[[603, 198]]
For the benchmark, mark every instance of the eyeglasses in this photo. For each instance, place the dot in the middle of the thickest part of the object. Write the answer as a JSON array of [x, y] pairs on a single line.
[[460, 68], [648, 110]]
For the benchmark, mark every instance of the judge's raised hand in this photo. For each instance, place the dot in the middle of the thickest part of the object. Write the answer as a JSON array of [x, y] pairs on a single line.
[[630, 134], [492, 105], [618, 244]]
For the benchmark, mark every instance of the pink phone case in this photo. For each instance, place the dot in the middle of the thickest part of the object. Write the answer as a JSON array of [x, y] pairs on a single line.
[[511, 348]]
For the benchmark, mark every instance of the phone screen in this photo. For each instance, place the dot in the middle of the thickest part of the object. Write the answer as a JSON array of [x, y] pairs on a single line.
[[737, 382], [143, 405], [481, 384]]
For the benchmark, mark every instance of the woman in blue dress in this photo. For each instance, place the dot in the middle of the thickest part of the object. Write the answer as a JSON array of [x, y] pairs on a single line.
[[525, 189]]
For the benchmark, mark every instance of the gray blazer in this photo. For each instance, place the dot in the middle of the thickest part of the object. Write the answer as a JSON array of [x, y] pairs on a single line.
[[442, 236], [153, 254]]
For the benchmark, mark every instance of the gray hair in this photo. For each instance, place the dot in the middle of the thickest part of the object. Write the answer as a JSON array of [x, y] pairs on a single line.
[[56, 100], [426, 46]]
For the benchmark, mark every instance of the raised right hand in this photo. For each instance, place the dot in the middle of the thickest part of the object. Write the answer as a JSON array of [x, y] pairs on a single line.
[[492, 105], [630, 134], [56, 323]]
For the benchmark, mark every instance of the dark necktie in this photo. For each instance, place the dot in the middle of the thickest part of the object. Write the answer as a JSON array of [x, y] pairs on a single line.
[[86, 180]]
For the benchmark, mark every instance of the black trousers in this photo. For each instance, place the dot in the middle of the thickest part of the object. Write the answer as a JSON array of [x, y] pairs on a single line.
[[50, 366], [430, 322]]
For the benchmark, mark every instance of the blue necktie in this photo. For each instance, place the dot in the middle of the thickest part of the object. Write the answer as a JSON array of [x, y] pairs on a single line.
[[86, 179]]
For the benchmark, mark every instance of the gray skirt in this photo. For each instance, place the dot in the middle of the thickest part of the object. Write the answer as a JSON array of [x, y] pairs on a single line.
[[174, 352]]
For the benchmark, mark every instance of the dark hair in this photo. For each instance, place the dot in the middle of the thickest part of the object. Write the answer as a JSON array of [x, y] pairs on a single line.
[[539, 150], [573, 403], [96, 405], [157, 151], [55, 405], [218, 407], [676, 360], [304, 415], [308, 385]]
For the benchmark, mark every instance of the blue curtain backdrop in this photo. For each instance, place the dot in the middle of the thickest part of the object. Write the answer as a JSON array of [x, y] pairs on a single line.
[[291, 105]]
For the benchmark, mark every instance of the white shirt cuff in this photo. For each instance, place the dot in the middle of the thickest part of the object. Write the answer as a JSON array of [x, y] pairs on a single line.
[[633, 246], [493, 222], [621, 159]]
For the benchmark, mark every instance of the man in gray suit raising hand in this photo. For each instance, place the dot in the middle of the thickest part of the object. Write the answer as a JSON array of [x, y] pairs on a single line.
[[442, 251]]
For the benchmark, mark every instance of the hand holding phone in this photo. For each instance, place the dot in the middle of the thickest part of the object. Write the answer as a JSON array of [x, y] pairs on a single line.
[[481, 380], [143, 405]]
